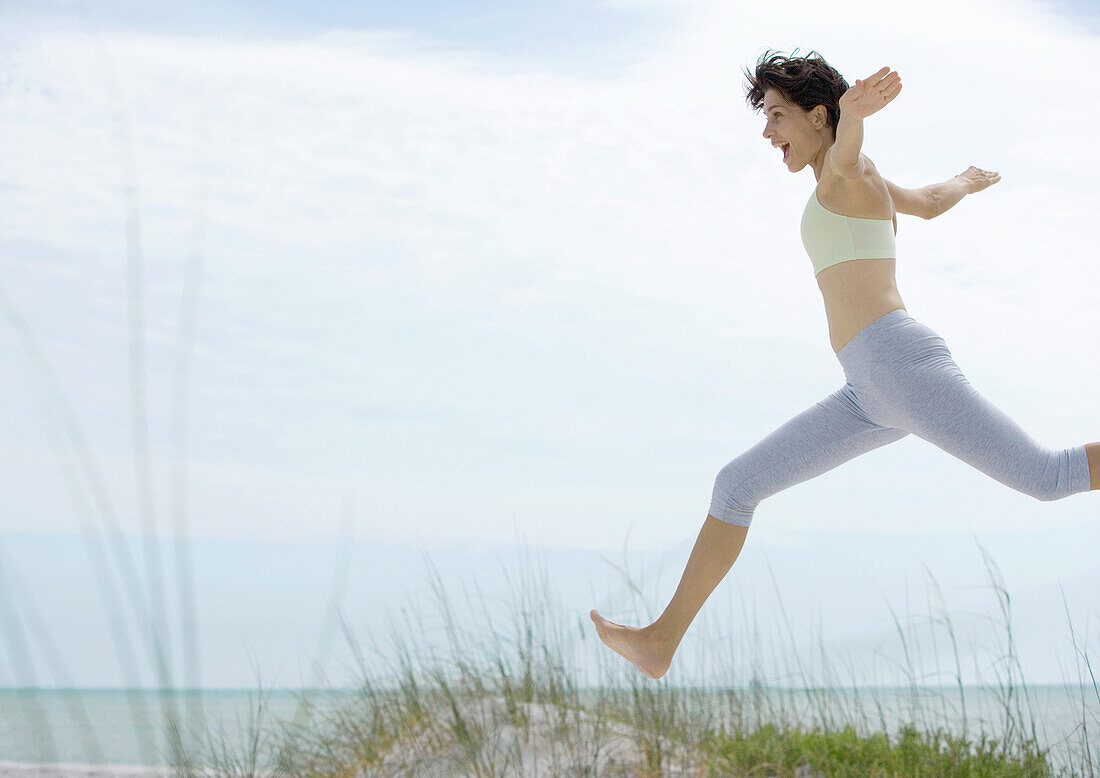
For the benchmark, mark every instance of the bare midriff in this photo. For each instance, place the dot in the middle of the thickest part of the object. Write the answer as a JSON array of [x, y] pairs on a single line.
[[856, 293]]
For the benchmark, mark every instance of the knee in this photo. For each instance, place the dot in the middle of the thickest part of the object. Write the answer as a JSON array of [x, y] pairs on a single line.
[[1047, 489], [1059, 475], [729, 501], [1047, 492]]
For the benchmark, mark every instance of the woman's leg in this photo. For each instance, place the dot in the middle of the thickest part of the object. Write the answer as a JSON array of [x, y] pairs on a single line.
[[651, 648], [929, 396], [818, 439]]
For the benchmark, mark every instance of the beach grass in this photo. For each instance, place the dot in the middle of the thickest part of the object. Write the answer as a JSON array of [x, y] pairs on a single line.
[[847, 754], [507, 698]]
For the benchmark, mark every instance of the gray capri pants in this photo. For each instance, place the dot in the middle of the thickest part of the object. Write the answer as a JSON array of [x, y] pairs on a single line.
[[900, 379]]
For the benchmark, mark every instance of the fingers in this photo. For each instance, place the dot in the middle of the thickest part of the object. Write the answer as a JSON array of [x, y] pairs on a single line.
[[980, 179], [886, 81], [886, 76]]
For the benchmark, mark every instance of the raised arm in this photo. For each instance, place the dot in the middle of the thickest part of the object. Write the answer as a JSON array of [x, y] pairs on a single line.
[[932, 200], [856, 104]]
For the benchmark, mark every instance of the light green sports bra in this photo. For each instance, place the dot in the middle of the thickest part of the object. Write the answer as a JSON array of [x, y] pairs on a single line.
[[831, 238]]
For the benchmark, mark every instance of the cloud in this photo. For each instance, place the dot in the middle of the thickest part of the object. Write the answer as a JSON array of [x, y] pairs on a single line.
[[481, 289]]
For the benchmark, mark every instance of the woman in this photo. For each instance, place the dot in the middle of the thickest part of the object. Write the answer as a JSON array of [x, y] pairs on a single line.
[[900, 374]]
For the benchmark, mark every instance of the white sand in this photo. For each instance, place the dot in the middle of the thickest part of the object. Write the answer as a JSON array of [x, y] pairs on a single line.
[[552, 741]]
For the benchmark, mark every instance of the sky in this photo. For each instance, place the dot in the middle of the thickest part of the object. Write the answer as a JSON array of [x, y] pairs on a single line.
[[492, 273]]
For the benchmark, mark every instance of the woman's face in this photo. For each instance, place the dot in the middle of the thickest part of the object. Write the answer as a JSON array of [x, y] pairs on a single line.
[[789, 127]]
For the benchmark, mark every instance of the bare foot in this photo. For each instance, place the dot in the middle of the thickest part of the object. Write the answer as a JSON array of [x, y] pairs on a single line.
[[633, 644]]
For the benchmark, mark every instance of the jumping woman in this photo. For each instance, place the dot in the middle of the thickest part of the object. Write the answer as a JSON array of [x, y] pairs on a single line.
[[900, 376]]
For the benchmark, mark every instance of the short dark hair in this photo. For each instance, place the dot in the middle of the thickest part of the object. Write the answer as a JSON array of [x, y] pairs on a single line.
[[804, 81]]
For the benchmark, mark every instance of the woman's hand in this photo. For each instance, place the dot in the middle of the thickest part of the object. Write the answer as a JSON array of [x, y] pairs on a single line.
[[867, 97], [974, 179]]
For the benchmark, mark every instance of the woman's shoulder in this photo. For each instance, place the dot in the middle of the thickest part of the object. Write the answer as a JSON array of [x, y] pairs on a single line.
[[863, 197]]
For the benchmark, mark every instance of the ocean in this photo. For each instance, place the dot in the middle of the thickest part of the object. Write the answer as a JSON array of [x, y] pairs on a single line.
[[120, 727]]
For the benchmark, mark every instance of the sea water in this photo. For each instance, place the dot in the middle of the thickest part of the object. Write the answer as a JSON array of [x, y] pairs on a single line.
[[121, 727]]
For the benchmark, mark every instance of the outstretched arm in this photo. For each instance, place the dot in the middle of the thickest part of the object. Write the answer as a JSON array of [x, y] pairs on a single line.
[[932, 200], [915, 202], [945, 195]]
